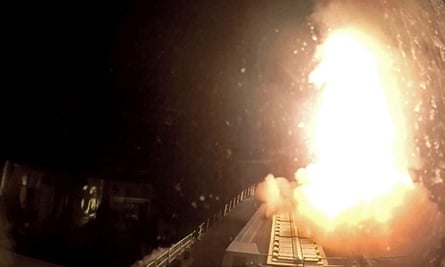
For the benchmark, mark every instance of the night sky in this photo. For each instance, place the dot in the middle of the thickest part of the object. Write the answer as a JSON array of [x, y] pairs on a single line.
[[114, 87]]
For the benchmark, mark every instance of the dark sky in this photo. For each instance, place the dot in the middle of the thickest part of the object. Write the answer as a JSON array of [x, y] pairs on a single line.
[[140, 86]]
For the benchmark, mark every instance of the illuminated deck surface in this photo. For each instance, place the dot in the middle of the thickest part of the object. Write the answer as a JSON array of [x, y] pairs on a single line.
[[273, 242], [254, 237], [246, 233], [210, 250]]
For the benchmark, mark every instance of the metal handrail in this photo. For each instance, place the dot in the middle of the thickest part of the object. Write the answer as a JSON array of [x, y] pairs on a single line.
[[170, 254]]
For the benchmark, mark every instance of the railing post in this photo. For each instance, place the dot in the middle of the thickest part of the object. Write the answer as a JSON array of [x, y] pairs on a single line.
[[200, 231]]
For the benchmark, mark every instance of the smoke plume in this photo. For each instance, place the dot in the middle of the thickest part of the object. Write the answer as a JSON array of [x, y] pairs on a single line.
[[408, 39]]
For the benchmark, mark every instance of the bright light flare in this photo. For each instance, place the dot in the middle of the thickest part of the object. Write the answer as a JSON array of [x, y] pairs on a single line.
[[356, 174]]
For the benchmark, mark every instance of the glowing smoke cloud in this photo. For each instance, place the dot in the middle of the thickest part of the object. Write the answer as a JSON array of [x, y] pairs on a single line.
[[277, 192], [354, 135], [357, 196]]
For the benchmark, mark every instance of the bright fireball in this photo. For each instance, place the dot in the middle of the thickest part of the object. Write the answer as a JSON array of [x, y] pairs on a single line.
[[356, 172]]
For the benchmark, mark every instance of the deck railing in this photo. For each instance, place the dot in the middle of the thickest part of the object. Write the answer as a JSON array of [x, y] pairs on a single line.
[[166, 257]]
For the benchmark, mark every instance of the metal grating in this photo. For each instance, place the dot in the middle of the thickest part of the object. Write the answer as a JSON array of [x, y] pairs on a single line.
[[286, 248]]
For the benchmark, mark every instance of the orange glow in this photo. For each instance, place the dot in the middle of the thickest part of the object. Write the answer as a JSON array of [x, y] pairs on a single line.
[[277, 192], [377, 70], [357, 174]]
